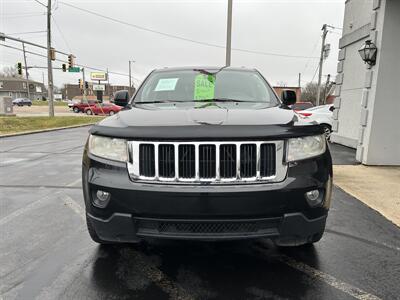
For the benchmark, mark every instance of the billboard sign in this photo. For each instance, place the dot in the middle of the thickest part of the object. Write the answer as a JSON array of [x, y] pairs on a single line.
[[98, 76]]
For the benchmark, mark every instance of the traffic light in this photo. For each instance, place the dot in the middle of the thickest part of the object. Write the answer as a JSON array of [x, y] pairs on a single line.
[[64, 67], [80, 83], [71, 61], [86, 85], [19, 68]]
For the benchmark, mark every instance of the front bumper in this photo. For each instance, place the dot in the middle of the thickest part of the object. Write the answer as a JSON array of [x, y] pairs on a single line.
[[206, 212]]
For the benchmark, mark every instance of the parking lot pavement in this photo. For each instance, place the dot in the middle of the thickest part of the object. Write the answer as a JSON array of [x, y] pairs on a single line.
[[46, 253]]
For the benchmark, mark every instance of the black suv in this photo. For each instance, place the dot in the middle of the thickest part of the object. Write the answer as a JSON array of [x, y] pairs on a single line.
[[207, 154]]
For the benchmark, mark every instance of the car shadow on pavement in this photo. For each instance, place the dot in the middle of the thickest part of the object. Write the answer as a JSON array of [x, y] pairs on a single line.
[[202, 270]]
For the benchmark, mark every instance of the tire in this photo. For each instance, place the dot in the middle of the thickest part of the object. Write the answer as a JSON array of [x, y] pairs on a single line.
[[111, 113], [76, 109], [89, 112], [327, 131], [93, 233]]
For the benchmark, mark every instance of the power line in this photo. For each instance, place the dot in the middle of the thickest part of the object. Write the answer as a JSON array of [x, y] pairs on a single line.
[[23, 16], [27, 32], [169, 35], [62, 35], [65, 61], [40, 3]]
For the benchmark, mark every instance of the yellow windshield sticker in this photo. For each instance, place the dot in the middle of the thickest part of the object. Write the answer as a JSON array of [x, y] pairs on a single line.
[[204, 87]]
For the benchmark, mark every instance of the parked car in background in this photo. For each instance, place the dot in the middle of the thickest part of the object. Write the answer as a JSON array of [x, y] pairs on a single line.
[[22, 101], [71, 103], [82, 104], [322, 114], [103, 109], [301, 105]]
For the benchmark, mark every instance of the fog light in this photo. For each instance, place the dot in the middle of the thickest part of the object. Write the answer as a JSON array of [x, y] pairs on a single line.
[[314, 198], [101, 199]]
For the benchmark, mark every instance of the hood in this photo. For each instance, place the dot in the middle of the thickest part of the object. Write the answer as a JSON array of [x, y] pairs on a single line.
[[227, 121]]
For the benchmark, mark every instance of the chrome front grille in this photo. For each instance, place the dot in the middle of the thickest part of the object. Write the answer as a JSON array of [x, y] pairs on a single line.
[[212, 162]]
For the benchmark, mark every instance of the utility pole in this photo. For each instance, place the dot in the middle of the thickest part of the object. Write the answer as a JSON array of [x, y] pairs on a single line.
[[84, 85], [49, 64], [321, 61], [130, 77], [108, 86], [26, 72], [299, 80], [328, 79], [229, 35]]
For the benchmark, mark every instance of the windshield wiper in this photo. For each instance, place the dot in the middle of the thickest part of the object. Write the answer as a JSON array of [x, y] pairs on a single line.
[[193, 101], [157, 101]]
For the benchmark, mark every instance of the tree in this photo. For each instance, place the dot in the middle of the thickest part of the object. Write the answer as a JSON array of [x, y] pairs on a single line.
[[310, 91], [9, 72]]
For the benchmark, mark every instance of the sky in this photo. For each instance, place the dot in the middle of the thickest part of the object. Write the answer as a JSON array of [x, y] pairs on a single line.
[[146, 32]]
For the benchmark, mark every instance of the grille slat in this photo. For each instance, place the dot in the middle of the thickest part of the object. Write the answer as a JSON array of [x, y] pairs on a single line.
[[267, 160], [207, 161], [228, 161], [166, 161], [186, 161], [146, 160], [248, 160]]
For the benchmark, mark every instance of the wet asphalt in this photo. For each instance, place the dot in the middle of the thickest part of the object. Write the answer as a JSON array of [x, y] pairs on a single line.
[[46, 253]]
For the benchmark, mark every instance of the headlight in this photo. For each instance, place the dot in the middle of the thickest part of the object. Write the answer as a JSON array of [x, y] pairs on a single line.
[[110, 148], [305, 147]]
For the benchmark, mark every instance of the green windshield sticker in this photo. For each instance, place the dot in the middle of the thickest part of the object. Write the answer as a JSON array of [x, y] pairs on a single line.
[[166, 84], [204, 87]]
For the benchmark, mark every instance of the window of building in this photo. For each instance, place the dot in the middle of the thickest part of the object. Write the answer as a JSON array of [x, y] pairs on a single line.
[[24, 85], [1, 84]]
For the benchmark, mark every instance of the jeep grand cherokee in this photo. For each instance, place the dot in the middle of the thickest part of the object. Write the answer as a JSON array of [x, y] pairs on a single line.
[[207, 154]]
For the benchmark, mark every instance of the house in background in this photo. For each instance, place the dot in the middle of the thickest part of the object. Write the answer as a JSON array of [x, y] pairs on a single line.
[[16, 87], [367, 97]]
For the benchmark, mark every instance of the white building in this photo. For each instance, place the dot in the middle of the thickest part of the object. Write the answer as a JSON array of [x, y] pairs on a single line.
[[368, 97]]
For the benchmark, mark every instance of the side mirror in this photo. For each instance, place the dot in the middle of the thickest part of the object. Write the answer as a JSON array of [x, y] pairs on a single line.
[[288, 97], [121, 98], [127, 107]]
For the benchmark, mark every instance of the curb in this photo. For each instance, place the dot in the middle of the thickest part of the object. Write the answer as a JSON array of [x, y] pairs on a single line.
[[44, 130]]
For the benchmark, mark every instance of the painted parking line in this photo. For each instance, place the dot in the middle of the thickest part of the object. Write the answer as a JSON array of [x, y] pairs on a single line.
[[173, 289], [24, 209], [347, 288], [75, 182]]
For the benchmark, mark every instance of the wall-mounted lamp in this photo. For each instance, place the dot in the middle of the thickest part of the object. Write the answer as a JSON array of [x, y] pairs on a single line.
[[368, 52]]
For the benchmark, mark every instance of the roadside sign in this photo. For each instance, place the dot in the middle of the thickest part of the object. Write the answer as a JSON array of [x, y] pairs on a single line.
[[99, 87], [98, 76], [74, 69]]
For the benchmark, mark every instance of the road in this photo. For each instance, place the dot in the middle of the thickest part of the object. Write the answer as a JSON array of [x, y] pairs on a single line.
[[46, 253]]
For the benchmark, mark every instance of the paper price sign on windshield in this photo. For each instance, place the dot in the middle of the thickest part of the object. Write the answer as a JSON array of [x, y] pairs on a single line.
[[204, 87]]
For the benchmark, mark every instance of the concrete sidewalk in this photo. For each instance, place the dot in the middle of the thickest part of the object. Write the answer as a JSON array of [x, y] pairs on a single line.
[[377, 187]]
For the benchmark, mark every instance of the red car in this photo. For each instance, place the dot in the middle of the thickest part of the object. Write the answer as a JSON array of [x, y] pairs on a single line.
[[82, 104], [103, 109]]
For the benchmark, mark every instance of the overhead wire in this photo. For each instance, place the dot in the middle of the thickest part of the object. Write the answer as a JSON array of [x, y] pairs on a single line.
[[169, 35], [78, 65]]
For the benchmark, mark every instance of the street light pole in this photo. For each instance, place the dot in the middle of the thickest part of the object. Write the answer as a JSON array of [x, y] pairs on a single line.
[[49, 64], [229, 35]]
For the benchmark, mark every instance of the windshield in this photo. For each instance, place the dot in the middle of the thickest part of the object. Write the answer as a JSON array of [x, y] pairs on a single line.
[[206, 85]]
